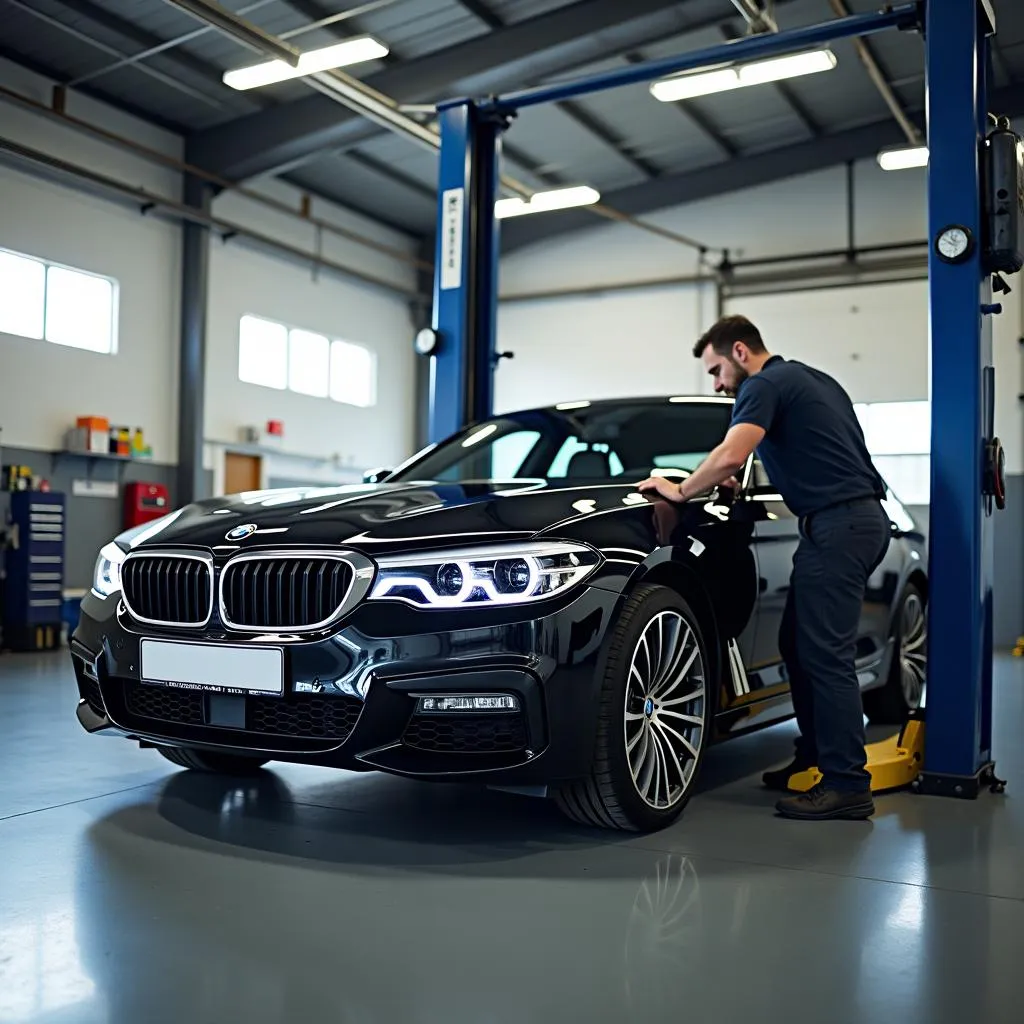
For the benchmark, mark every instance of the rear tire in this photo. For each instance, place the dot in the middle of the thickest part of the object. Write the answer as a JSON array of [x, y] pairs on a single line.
[[210, 761], [653, 720], [892, 703]]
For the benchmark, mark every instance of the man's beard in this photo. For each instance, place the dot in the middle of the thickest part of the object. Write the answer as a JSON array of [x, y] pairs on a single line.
[[741, 376]]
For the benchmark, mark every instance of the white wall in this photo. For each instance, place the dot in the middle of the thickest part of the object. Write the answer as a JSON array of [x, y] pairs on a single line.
[[640, 341], [874, 339], [603, 346], [801, 214], [245, 282], [45, 386]]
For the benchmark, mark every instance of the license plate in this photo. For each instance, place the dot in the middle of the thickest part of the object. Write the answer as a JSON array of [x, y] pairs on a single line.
[[214, 667]]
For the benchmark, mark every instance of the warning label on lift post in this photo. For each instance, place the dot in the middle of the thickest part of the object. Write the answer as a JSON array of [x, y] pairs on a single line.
[[451, 239]]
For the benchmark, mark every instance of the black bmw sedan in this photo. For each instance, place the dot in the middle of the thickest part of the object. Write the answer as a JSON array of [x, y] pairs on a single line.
[[505, 608]]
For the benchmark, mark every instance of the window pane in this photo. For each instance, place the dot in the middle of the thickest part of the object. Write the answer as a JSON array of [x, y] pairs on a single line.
[[22, 290], [262, 352], [308, 356], [79, 310], [509, 452], [897, 428], [908, 476], [352, 376]]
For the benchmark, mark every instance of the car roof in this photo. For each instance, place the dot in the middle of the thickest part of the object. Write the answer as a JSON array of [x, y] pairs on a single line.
[[611, 403]]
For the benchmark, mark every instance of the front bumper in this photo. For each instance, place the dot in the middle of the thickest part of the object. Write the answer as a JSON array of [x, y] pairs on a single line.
[[351, 695]]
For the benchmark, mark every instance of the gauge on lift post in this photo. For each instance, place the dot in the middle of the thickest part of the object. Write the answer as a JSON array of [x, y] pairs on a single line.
[[426, 341], [954, 244]]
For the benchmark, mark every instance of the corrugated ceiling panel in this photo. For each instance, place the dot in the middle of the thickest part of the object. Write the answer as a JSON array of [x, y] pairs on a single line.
[[415, 27], [354, 185], [657, 131], [520, 10], [568, 151]]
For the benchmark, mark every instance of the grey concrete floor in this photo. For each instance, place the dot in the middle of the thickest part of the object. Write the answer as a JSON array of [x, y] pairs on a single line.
[[131, 891]]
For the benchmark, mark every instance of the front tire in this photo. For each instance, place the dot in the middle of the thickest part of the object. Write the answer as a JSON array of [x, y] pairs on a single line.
[[210, 761], [653, 719]]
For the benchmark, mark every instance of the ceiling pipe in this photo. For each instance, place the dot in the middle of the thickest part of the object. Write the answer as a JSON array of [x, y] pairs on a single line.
[[244, 31], [867, 58], [757, 18]]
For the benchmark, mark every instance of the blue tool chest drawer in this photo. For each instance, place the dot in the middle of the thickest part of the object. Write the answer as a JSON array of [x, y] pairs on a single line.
[[34, 564]]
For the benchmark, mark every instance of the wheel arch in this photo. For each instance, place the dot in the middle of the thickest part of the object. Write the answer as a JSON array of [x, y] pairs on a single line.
[[684, 579]]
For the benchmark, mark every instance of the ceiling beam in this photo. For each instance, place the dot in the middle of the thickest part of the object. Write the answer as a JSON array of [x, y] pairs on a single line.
[[748, 172], [287, 135]]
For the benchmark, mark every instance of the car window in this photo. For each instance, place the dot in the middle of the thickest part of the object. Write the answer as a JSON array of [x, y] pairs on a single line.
[[564, 460], [608, 441], [498, 457]]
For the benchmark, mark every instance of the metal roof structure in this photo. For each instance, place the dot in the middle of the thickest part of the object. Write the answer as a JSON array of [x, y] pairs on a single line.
[[157, 60]]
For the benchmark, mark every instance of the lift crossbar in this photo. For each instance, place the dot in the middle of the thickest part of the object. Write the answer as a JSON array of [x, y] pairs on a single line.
[[755, 47]]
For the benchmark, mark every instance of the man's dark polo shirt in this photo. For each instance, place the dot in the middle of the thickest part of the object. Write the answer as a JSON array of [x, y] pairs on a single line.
[[813, 449]]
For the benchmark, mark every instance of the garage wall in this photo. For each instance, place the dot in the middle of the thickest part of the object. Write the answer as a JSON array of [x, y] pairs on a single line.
[[246, 282], [46, 385], [800, 214], [641, 338]]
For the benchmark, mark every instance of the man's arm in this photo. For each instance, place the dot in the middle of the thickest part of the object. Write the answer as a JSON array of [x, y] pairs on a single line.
[[724, 462]]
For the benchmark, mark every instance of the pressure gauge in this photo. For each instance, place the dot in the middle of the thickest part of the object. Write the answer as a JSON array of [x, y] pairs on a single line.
[[954, 244], [426, 341]]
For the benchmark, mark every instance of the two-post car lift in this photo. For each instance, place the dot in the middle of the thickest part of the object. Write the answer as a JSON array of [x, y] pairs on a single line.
[[975, 221]]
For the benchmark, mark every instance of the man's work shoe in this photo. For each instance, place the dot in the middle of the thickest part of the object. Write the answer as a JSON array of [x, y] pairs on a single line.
[[778, 778], [821, 803]]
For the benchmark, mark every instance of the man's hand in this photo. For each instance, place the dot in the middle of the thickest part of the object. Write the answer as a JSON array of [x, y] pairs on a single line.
[[660, 485]]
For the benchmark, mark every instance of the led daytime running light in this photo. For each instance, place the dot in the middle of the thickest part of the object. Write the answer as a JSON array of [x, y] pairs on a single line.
[[414, 579]]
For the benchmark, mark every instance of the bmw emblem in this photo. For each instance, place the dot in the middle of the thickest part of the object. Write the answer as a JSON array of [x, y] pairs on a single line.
[[649, 707], [241, 532]]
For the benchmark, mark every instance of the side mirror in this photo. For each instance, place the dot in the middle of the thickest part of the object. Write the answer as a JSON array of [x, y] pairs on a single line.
[[375, 476]]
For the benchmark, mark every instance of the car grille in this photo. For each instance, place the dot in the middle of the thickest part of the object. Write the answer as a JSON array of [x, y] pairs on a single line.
[[284, 593], [466, 733], [313, 717], [177, 590]]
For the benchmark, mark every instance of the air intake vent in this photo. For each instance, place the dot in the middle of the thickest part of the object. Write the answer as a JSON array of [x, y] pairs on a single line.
[[172, 590], [282, 593]]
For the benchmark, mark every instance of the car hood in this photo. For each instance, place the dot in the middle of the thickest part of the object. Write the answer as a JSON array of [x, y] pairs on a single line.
[[376, 518]]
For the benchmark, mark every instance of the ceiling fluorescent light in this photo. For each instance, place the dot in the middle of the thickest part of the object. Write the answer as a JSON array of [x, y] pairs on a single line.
[[703, 83], [541, 202], [338, 55], [902, 157]]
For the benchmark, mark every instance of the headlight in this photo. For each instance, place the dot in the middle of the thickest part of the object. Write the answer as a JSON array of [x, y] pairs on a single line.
[[472, 577], [106, 577]]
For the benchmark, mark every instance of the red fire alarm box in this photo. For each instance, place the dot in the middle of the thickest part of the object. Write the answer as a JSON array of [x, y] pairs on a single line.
[[144, 502]]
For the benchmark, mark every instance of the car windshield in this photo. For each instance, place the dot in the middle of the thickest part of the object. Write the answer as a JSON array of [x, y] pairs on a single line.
[[586, 442]]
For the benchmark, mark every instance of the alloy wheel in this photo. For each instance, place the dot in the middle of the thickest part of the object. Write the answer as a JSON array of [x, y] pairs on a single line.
[[913, 652], [664, 712]]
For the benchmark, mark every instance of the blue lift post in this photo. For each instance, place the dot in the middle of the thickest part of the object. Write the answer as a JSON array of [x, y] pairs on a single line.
[[957, 747], [958, 733]]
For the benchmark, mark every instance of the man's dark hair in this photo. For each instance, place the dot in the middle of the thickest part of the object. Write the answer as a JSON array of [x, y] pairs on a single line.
[[724, 334]]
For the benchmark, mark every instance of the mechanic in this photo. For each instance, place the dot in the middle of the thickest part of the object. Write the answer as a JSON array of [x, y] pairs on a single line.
[[808, 438]]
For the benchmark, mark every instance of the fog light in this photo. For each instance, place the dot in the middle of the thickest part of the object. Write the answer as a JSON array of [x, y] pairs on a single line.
[[454, 702]]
